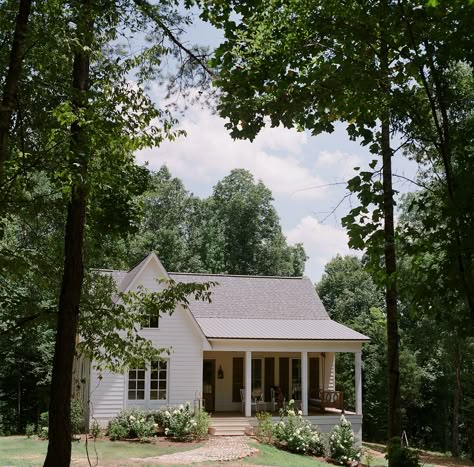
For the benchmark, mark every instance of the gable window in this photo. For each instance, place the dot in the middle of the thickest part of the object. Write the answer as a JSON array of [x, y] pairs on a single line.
[[152, 322], [149, 384], [136, 384]]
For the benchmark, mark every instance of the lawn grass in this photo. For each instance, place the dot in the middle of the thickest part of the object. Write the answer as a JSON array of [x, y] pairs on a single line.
[[20, 451], [270, 455]]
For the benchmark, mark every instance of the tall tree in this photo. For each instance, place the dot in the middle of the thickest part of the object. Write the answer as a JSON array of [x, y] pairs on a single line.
[[307, 65], [249, 228], [236, 230], [13, 75]]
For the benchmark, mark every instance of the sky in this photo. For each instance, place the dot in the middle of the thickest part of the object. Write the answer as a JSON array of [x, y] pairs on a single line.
[[305, 173]]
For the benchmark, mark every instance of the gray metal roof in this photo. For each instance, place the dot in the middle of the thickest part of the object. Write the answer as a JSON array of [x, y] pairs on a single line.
[[277, 329], [257, 297]]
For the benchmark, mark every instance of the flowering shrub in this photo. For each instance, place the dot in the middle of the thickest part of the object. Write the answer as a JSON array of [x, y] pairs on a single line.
[[179, 422], [297, 434], [341, 444], [132, 423]]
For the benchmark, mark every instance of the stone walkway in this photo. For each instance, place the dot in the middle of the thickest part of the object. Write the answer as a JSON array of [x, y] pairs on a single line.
[[216, 449]]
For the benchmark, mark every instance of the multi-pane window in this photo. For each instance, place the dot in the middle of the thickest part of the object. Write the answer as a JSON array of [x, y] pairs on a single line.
[[150, 383], [136, 384], [158, 380]]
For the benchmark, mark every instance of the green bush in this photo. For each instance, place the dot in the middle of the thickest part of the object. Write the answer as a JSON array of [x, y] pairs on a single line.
[[400, 456], [201, 428], [95, 429], [264, 432], [341, 444], [43, 425], [117, 431], [296, 434], [77, 417], [30, 430]]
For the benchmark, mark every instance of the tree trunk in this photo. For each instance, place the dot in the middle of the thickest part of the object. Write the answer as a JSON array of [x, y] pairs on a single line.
[[393, 339], [456, 399], [59, 447], [394, 414], [13, 76]]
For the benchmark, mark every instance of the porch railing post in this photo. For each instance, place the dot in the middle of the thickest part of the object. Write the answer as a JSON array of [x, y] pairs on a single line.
[[304, 382], [248, 383], [358, 382]]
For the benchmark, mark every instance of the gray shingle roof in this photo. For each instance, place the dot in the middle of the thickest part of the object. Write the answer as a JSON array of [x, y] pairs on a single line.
[[257, 307], [257, 297]]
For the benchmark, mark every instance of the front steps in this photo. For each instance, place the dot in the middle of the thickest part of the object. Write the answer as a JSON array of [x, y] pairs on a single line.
[[229, 426]]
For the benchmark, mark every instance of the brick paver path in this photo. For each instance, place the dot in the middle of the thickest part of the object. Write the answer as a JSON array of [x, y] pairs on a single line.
[[218, 448]]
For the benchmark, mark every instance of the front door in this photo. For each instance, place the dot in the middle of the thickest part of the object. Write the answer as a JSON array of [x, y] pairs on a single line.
[[209, 384]]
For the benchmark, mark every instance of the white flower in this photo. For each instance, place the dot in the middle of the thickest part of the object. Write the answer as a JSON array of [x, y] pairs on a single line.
[[300, 412], [181, 406], [131, 418], [167, 414]]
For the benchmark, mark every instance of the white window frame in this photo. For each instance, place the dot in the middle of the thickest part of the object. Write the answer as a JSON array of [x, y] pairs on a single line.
[[148, 321], [147, 402]]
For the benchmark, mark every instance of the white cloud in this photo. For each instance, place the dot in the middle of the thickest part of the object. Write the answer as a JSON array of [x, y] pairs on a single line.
[[208, 153], [322, 242], [342, 163]]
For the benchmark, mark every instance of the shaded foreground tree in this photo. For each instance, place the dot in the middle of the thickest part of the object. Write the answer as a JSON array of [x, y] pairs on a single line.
[[13, 75], [59, 434], [104, 124]]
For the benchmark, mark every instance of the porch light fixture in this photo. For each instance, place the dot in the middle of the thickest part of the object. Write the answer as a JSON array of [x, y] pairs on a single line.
[[220, 373]]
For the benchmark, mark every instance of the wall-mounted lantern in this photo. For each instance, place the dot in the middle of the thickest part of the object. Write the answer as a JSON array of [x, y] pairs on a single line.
[[220, 373]]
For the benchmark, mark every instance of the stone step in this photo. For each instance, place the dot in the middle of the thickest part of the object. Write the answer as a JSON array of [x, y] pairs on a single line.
[[229, 433], [222, 422]]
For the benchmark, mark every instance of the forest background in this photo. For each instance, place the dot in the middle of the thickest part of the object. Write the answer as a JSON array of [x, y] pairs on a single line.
[[74, 199]]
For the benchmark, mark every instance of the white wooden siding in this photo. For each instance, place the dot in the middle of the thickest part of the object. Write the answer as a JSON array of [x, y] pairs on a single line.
[[176, 332], [107, 396]]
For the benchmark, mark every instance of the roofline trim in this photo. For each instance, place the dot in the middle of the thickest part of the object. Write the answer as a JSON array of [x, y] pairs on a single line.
[[244, 276], [285, 339]]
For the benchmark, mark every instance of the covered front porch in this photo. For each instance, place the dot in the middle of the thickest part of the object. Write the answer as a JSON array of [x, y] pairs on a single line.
[[240, 378]]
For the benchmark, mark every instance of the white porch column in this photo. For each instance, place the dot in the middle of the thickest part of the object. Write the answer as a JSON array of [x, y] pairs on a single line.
[[358, 382], [304, 382], [248, 383]]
